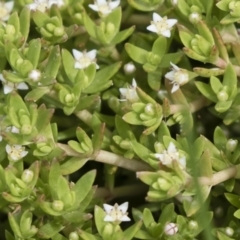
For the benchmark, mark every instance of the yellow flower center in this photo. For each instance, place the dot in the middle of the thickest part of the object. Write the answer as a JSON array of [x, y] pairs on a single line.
[[85, 61], [161, 25]]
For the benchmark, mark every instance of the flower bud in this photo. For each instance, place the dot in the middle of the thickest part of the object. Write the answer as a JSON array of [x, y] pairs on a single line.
[[50, 27], [69, 98], [110, 28], [10, 29], [163, 184], [170, 229], [57, 205], [229, 231], [58, 31], [45, 149], [193, 225], [129, 68], [195, 17], [125, 144], [34, 75], [231, 145], [26, 129], [149, 109], [108, 230], [27, 176], [73, 236], [222, 96]]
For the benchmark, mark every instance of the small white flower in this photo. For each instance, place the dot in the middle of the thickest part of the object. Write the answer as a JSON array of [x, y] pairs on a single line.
[[129, 68], [104, 7], [171, 154], [161, 26], [43, 5], [34, 75], [15, 152], [5, 10], [177, 76], [9, 86], [84, 59], [229, 231], [195, 17], [129, 94], [116, 213], [12, 129], [170, 229]]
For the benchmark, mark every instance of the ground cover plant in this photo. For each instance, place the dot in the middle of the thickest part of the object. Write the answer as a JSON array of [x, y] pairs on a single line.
[[119, 119]]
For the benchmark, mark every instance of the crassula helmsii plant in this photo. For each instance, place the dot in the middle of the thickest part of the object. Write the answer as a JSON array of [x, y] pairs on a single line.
[[120, 111]]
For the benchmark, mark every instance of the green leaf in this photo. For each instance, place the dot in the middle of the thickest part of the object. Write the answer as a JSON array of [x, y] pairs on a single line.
[[145, 6], [24, 20], [171, 57], [123, 35], [223, 106], [14, 225], [147, 218], [63, 191], [14, 21], [205, 32], [160, 46], [220, 139], [130, 232], [137, 54], [72, 165], [40, 18], [54, 61], [35, 94], [185, 35], [50, 229], [230, 80], [33, 53], [99, 215], [205, 166], [120, 125], [168, 214], [132, 118], [216, 84], [54, 174], [68, 64], [89, 24], [84, 185], [154, 80], [233, 199], [206, 90]]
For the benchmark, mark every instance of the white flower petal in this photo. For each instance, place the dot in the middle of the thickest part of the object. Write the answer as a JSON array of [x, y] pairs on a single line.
[[78, 65], [125, 218], [8, 148], [77, 54], [152, 28], [175, 66], [7, 89], [175, 87], [171, 22], [170, 75], [2, 78], [108, 208], [94, 7], [134, 83], [171, 148], [166, 33], [9, 5], [22, 86], [123, 91], [1, 138], [156, 17], [24, 153], [108, 219], [123, 207], [101, 2], [33, 6], [92, 54], [114, 4]]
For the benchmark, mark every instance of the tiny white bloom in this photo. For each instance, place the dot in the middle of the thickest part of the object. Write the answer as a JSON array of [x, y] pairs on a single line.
[[229, 231], [12, 129], [43, 5], [5, 10], [34, 75], [174, 2], [84, 59], [129, 68], [161, 26], [171, 154], [9, 86], [116, 213], [104, 7], [177, 76], [129, 94], [195, 17], [170, 229], [15, 152]]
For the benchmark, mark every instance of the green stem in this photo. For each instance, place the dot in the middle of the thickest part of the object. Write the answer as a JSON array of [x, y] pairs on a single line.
[[223, 64], [219, 177], [194, 106], [110, 158]]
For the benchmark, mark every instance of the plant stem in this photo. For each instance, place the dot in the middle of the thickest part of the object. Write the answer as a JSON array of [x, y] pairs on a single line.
[[219, 177], [117, 160], [194, 106], [223, 64], [110, 158]]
